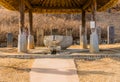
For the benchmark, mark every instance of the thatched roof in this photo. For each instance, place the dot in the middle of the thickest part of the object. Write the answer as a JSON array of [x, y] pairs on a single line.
[[57, 6]]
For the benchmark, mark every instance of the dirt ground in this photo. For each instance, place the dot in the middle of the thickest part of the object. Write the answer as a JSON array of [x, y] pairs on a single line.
[[103, 70], [15, 70]]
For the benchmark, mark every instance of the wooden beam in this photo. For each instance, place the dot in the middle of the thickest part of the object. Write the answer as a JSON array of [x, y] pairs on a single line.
[[7, 5], [94, 9], [77, 3], [30, 29], [83, 35], [87, 4], [27, 3], [22, 15], [83, 21]]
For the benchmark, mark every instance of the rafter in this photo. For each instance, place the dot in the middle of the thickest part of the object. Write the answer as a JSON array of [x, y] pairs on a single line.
[[27, 3], [69, 3], [87, 4], [43, 4], [77, 3], [7, 5], [58, 5]]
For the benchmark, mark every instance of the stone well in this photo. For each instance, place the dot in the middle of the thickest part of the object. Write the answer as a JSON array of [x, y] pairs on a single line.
[[62, 41]]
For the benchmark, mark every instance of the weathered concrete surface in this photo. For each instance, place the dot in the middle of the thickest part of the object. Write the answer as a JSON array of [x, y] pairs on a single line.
[[83, 41], [99, 34], [9, 40], [31, 44], [54, 70], [66, 42], [110, 34], [22, 43], [94, 45]]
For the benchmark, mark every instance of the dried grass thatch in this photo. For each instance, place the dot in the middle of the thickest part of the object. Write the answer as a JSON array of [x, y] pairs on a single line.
[[58, 6]]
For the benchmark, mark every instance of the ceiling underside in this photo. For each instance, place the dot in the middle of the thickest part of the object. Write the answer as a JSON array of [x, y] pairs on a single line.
[[58, 6]]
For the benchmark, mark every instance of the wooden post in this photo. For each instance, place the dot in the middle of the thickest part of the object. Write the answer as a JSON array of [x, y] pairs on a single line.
[[93, 16], [83, 36], [22, 15], [30, 30], [22, 41], [83, 21], [30, 22], [94, 45]]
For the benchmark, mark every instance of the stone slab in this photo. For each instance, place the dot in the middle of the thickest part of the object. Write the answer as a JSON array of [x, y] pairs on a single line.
[[31, 44], [22, 43], [110, 34], [94, 45], [9, 40], [54, 70]]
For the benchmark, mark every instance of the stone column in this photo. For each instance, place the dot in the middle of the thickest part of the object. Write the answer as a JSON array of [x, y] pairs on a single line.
[[83, 33], [99, 34], [110, 34], [31, 44], [22, 41], [40, 37], [94, 45], [9, 40]]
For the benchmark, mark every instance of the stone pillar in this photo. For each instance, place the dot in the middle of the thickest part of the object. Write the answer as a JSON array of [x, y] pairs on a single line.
[[99, 34], [31, 44], [83, 33], [94, 45], [40, 37], [22, 41], [9, 40], [110, 34]]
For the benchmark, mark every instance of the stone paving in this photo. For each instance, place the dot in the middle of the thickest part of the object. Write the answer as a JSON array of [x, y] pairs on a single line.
[[54, 70]]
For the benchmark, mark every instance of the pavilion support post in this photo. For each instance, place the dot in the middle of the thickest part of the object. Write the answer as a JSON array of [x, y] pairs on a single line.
[[83, 33], [22, 41], [30, 30], [94, 44]]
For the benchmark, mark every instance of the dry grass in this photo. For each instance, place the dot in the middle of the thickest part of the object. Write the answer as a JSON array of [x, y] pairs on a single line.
[[15, 70], [10, 23], [101, 70], [104, 70]]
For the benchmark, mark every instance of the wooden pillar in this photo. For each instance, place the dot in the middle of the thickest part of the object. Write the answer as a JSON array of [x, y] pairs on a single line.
[[83, 36], [30, 22], [94, 45], [22, 41], [30, 30], [94, 9], [22, 16]]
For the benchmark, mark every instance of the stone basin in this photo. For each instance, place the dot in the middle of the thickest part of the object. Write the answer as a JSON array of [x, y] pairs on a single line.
[[58, 40]]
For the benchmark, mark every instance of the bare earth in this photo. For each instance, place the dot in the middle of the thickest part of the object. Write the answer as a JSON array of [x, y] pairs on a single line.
[[13, 69], [102, 70]]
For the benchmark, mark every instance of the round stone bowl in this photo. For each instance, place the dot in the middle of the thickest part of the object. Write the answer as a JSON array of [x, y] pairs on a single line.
[[63, 41]]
